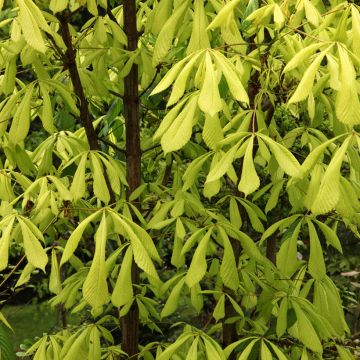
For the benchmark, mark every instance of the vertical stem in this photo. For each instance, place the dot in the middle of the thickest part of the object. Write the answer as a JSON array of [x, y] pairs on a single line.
[[130, 322], [70, 63]]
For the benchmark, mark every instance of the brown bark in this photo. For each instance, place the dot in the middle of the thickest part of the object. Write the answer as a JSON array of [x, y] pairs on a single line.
[[130, 322], [69, 59], [70, 64]]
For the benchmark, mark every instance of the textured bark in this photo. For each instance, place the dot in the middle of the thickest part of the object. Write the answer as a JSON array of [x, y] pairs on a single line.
[[130, 322]]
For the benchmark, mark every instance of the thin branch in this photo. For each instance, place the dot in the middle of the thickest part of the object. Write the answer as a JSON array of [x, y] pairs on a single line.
[[111, 144]]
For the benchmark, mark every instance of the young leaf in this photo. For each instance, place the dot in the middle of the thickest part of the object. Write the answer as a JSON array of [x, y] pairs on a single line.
[[329, 191], [199, 38], [219, 310], [306, 84], [172, 302], [228, 268], [78, 185], [181, 80], [306, 331], [284, 157], [54, 281], [249, 179], [95, 289], [224, 14], [198, 264], [74, 239], [34, 252], [123, 289], [286, 258], [21, 122], [179, 132], [209, 98], [235, 85], [330, 235], [28, 19], [166, 35], [316, 261], [99, 185], [347, 100]]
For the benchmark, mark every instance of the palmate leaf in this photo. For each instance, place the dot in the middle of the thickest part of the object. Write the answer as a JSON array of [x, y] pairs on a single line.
[[179, 132], [224, 14], [54, 280], [278, 225], [303, 55], [171, 349], [316, 260], [247, 243], [170, 76], [31, 19], [95, 289], [74, 239], [223, 164], [161, 13], [329, 192], [78, 185], [192, 171], [181, 80], [193, 351], [47, 111], [347, 103], [167, 33], [355, 17], [198, 264], [34, 252], [7, 227], [249, 179], [212, 351], [199, 38], [21, 122], [100, 188], [212, 131], [7, 108], [6, 345], [228, 268], [281, 323], [234, 83], [265, 353], [230, 348], [73, 347], [283, 156], [329, 307], [172, 302], [306, 332], [209, 98], [94, 344], [219, 309], [330, 235], [286, 258], [315, 154], [141, 254], [306, 84]]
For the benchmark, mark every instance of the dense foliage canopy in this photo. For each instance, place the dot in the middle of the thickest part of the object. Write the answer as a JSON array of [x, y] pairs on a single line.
[[177, 169]]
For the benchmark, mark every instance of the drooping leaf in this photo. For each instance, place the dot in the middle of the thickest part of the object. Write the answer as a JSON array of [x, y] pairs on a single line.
[[209, 98], [95, 288], [123, 289], [198, 264]]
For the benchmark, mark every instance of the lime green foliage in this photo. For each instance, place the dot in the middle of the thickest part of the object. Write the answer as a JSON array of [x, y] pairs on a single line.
[[249, 118]]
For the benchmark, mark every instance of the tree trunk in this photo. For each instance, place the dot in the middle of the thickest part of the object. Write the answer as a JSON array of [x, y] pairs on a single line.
[[130, 322]]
